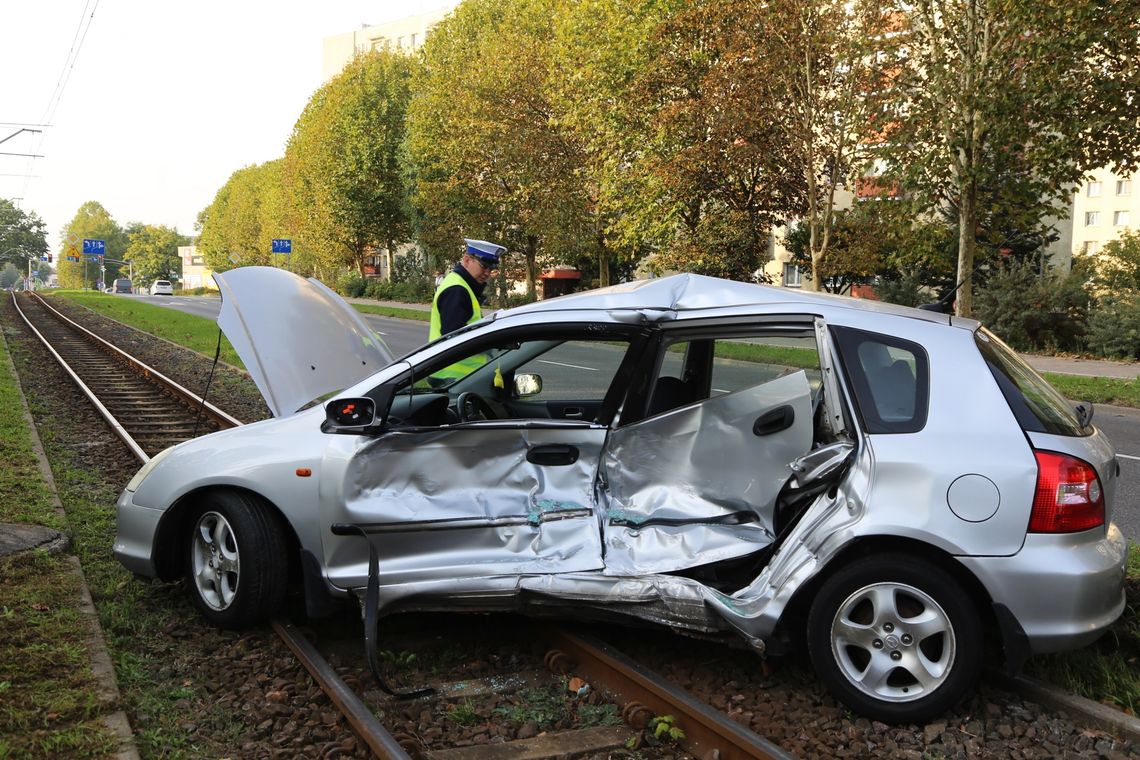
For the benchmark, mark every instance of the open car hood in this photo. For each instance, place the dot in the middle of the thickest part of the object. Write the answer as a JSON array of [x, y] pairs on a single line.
[[298, 339]]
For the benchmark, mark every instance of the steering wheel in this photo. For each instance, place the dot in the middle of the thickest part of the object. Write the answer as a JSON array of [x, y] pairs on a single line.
[[470, 406]]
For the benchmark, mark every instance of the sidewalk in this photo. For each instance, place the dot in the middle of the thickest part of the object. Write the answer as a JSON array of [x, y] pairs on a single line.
[[1084, 367]]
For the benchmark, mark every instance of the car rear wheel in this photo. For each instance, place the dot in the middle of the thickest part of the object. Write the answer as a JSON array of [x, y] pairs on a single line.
[[236, 547], [895, 638]]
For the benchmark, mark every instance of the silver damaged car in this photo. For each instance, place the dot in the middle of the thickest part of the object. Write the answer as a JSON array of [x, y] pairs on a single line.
[[889, 488]]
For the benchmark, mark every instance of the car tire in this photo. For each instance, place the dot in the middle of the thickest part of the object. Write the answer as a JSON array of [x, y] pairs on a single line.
[[895, 638], [235, 550]]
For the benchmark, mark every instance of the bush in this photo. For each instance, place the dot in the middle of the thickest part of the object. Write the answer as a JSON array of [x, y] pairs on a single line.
[[1035, 312], [1114, 327], [351, 284], [908, 290]]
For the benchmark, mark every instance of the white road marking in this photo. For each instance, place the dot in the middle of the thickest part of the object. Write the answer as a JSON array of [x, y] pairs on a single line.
[[571, 366]]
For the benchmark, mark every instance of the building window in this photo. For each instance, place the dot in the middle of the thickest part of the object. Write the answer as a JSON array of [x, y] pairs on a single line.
[[1094, 189], [1120, 218], [791, 276], [400, 42], [1092, 218], [1124, 187], [380, 43], [1092, 247]]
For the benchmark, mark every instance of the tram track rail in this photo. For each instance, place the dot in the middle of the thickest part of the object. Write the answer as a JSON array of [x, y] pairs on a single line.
[[150, 412]]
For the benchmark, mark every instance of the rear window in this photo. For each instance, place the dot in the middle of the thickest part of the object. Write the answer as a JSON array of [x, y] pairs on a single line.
[[1038, 407], [890, 378], [162, 283]]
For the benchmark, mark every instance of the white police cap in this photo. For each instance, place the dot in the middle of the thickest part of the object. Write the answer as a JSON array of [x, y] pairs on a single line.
[[484, 250]]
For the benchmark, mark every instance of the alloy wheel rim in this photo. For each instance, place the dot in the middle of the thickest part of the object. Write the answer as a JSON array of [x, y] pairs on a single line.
[[216, 563], [893, 642]]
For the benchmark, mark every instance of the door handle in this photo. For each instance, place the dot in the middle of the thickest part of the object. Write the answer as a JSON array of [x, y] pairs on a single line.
[[774, 420], [552, 454], [573, 411]]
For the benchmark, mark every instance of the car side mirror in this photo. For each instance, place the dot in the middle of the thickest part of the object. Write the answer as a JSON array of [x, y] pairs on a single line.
[[351, 416], [527, 384]]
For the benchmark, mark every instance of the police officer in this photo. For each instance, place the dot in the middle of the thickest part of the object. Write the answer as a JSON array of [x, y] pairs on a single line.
[[457, 299]]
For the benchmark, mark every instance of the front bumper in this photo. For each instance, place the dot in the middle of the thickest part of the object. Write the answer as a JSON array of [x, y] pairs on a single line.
[[1063, 590], [135, 535]]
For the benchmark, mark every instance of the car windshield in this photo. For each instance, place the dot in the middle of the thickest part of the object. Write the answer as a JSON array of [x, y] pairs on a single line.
[[1038, 406]]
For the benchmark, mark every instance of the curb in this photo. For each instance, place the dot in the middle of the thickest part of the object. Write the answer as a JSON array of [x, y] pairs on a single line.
[[101, 666], [1088, 712]]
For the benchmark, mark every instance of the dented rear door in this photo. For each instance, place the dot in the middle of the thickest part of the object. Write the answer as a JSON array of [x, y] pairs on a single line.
[[697, 483]]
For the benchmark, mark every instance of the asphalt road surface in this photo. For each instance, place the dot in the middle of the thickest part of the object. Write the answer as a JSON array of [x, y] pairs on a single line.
[[1120, 424]]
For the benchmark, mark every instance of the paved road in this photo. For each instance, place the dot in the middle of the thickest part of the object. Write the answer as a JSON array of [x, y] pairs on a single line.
[[1120, 424]]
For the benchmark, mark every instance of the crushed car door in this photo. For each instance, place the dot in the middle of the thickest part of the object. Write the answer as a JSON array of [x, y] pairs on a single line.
[[696, 480], [447, 498]]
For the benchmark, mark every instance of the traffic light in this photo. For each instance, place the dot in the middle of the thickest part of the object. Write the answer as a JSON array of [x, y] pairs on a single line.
[[49, 258]]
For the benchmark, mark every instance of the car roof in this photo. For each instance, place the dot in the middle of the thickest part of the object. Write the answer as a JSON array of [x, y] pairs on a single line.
[[693, 292]]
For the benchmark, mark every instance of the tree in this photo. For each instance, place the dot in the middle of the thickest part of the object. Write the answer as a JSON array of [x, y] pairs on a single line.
[[92, 221], [153, 252], [23, 236], [715, 97], [601, 48], [489, 157], [1117, 266], [230, 228], [342, 163], [9, 275], [1033, 93], [836, 83]]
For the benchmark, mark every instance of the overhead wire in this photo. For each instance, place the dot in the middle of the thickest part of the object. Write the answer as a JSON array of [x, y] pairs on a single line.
[[80, 35]]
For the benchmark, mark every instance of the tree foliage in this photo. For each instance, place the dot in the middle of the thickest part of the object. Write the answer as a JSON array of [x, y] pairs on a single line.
[[91, 221], [343, 181], [152, 251], [1017, 98], [233, 229], [489, 156], [23, 236]]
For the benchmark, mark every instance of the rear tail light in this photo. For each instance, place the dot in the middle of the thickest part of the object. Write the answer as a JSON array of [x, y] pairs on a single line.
[[1068, 498]]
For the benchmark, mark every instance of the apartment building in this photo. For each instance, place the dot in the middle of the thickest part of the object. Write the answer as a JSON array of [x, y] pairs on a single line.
[[1103, 207], [406, 34]]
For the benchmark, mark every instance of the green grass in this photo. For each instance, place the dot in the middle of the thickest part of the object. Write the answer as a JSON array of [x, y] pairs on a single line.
[[24, 498], [193, 332], [419, 315], [48, 706], [1098, 390]]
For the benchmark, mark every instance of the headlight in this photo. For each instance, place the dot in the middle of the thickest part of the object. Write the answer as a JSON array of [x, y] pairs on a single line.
[[146, 469]]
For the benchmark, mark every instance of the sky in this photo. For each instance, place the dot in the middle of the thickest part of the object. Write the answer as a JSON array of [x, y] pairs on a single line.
[[151, 105]]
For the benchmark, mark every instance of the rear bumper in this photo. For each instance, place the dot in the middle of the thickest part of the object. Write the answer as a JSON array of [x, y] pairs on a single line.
[[134, 536], [1063, 590]]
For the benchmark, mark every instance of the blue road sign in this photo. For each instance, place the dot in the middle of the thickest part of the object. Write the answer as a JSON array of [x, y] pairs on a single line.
[[43, 258], [282, 245], [93, 247], [73, 258]]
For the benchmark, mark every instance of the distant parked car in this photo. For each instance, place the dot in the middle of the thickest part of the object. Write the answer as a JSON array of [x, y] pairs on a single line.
[[162, 288], [881, 484], [121, 285]]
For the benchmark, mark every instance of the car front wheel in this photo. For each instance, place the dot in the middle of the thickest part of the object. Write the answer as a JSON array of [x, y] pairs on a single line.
[[234, 570], [895, 638]]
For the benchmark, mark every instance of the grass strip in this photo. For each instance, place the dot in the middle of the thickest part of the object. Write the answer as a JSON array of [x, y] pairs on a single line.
[[193, 332], [1098, 390], [419, 315], [48, 703]]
